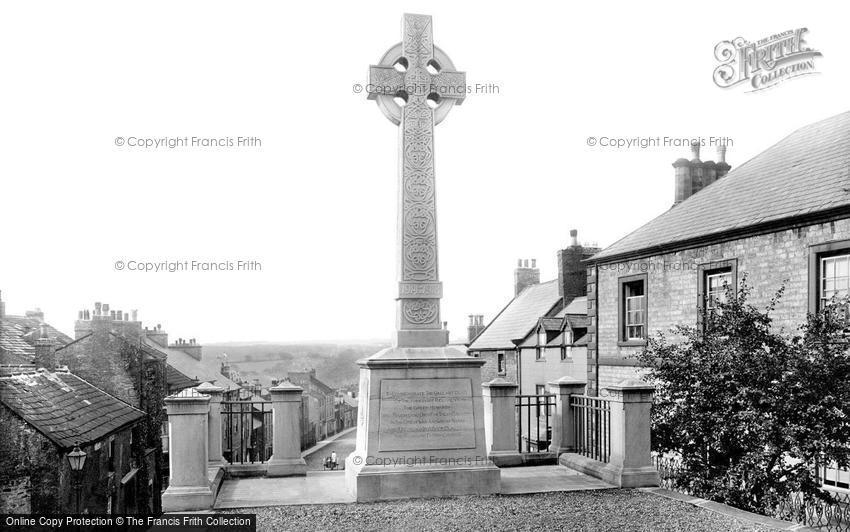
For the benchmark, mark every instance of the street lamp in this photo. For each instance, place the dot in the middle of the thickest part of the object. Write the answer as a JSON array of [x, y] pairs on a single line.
[[77, 459]]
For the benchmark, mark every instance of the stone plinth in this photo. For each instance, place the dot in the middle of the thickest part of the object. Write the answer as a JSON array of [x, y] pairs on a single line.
[[563, 428], [213, 424], [286, 458], [420, 429], [189, 486], [631, 464], [500, 422]]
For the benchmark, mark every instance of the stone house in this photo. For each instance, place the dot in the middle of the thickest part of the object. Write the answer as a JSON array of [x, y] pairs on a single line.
[[110, 353], [320, 404], [19, 334], [45, 413], [783, 218], [538, 336]]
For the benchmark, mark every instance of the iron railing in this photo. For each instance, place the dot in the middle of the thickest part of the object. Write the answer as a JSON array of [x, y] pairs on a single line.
[[534, 422], [830, 513], [246, 431], [592, 423]]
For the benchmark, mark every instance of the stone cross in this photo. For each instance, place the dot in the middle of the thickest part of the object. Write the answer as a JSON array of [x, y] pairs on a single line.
[[415, 85]]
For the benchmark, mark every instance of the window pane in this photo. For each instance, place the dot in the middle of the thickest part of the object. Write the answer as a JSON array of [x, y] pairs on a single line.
[[841, 266]]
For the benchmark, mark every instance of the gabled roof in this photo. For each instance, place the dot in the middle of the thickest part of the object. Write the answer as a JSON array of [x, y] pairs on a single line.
[[192, 370], [519, 317], [550, 324], [13, 345], [31, 328], [805, 175], [576, 322], [65, 408]]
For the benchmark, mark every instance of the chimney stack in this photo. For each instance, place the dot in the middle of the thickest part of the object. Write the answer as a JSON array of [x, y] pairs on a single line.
[[525, 275], [45, 352], [190, 347], [572, 274], [476, 326], [36, 314], [694, 175]]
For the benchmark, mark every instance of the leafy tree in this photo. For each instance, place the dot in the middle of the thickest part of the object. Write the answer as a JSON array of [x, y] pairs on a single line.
[[750, 410]]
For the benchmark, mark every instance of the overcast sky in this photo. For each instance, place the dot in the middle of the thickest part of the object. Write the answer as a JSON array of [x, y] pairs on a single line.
[[315, 204]]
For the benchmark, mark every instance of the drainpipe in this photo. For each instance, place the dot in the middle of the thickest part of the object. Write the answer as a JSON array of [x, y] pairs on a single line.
[[518, 365]]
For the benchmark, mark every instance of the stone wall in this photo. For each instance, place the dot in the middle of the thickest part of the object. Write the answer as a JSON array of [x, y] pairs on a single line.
[[35, 476], [768, 261], [15, 496], [490, 369]]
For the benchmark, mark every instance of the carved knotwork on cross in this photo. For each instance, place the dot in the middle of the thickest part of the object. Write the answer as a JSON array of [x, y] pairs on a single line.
[[415, 85]]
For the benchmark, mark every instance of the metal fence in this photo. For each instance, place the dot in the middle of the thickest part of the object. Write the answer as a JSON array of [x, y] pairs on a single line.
[[592, 422], [831, 514], [534, 422], [246, 431]]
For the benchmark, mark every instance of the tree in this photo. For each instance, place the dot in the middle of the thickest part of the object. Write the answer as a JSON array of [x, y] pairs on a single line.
[[750, 411]]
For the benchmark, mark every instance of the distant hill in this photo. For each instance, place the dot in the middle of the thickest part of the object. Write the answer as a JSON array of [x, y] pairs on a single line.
[[335, 364]]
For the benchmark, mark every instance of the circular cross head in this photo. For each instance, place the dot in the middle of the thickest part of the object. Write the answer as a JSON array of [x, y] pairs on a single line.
[[391, 109]]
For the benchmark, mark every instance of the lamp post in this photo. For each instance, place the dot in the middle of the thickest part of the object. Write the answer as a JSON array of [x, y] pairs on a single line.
[[77, 459]]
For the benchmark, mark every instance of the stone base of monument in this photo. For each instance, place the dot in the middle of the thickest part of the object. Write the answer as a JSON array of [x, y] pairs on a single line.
[[180, 499], [420, 429], [286, 467]]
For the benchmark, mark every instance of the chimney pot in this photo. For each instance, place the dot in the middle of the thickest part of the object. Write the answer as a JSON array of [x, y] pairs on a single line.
[[533, 263], [573, 237], [695, 145], [519, 263]]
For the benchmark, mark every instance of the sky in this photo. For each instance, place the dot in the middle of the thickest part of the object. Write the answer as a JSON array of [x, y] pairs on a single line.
[[315, 204]]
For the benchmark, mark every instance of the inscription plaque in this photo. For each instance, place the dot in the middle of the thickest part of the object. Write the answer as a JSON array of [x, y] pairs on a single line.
[[426, 414]]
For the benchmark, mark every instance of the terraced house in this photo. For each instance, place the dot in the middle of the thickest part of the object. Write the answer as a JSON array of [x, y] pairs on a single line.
[[783, 218]]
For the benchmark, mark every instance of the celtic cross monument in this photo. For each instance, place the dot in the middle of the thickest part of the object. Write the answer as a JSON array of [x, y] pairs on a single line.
[[420, 428], [415, 85]]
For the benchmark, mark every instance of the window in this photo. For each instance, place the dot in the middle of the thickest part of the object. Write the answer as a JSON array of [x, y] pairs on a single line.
[[500, 358], [829, 275], [714, 278], [633, 322], [715, 289], [834, 281], [833, 477]]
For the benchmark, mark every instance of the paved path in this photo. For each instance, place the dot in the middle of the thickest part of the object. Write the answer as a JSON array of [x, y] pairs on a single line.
[[327, 487]]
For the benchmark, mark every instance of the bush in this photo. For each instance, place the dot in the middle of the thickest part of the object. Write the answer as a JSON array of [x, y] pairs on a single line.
[[750, 410]]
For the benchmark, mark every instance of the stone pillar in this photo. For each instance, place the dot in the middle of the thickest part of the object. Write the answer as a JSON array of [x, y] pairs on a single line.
[[286, 426], [631, 464], [189, 486], [563, 428], [500, 424], [213, 423]]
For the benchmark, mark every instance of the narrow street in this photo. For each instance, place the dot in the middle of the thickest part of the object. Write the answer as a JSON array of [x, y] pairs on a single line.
[[343, 447]]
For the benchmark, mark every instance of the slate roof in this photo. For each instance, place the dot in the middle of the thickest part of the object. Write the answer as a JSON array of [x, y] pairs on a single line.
[[13, 345], [551, 324], [519, 317], [65, 408], [32, 329], [176, 380], [185, 371], [806, 172], [577, 322]]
